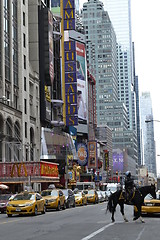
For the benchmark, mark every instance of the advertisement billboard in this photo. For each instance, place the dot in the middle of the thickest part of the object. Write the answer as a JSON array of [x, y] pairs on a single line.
[[82, 153], [81, 81], [118, 162], [92, 154]]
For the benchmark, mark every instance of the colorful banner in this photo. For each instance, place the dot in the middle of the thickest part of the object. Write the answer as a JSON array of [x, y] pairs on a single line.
[[69, 14], [50, 37], [106, 159], [81, 82], [118, 162], [92, 152], [82, 153]]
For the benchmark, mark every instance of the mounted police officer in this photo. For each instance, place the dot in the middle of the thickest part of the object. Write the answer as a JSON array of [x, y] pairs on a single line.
[[129, 185]]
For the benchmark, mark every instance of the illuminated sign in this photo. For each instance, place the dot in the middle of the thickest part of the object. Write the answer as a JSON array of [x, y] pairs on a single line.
[[70, 66], [106, 159], [69, 14], [82, 152], [49, 169], [25, 169], [92, 152]]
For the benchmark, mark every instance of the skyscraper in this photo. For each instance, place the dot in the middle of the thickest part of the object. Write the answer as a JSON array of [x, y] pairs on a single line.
[[149, 151], [120, 15], [102, 59]]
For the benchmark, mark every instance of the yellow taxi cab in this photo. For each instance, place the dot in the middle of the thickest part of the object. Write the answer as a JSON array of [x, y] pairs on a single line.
[[150, 205], [54, 199], [26, 203], [80, 198], [92, 196]]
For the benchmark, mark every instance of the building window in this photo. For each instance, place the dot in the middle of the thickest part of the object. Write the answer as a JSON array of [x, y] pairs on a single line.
[[25, 87], [24, 22], [25, 129], [24, 40], [24, 2], [24, 62], [25, 106], [15, 102]]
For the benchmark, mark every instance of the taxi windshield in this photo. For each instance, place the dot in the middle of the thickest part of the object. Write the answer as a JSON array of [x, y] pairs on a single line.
[[91, 192], [79, 194], [25, 196], [49, 193]]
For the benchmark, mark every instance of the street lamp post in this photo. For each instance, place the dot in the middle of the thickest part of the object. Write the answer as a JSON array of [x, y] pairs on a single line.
[[151, 120]]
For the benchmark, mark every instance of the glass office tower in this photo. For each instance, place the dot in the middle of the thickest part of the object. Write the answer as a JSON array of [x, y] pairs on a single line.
[[120, 14]]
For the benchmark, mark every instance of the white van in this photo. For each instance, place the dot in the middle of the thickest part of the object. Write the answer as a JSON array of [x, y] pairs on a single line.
[[85, 185]]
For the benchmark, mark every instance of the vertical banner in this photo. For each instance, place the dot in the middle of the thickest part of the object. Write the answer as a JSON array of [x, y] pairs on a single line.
[[70, 65], [106, 159], [69, 14], [50, 36], [82, 153], [81, 82], [92, 154]]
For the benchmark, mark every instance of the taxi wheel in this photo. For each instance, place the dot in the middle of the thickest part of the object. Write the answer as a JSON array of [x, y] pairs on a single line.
[[58, 207], [74, 204], [35, 211], [68, 205], [64, 206], [9, 215], [44, 210]]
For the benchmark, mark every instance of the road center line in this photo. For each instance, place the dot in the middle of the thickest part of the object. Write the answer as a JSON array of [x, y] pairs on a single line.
[[139, 235], [97, 232]]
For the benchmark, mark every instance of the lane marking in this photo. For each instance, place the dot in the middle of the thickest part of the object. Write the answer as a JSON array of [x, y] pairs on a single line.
[[140, 234], [98, 231]]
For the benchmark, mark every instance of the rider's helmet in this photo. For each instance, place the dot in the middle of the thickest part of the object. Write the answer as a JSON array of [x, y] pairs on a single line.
[[128, 174]]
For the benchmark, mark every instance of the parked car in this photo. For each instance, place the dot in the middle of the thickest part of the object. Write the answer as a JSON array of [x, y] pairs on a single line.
[[26, 203], [150, 205], [54, 199], [92, 196], [104, 193], [80, 198], [100, 196], [69, 197], [4, 199]]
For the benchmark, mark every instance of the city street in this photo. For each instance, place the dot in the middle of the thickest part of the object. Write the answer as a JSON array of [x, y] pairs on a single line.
[[80, 223]]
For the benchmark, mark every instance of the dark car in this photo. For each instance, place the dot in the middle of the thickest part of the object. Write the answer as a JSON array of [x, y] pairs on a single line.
[[4, 199], [70, 198]]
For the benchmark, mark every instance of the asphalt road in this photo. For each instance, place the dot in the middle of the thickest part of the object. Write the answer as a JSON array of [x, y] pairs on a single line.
[[80, 223]]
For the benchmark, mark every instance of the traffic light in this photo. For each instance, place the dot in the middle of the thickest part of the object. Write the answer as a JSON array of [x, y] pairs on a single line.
[[116, 172]]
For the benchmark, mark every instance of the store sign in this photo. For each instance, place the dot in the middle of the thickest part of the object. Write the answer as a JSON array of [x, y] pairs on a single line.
[[49, 169], [19, 169], [25, 169]]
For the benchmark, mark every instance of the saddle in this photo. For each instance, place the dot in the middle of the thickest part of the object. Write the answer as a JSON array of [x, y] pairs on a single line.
[[127, 196]]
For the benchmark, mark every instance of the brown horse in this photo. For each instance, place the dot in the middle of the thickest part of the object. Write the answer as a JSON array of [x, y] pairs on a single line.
[[137, 200]]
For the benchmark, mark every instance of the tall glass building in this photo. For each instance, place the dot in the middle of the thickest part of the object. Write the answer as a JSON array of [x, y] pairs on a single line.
[[120, 15], [102, 51], [149, 151]]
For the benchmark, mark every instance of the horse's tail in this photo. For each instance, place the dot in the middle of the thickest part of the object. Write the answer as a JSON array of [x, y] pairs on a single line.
[[110, 204]]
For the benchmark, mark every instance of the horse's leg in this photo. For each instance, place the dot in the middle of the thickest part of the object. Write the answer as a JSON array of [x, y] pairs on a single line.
[[121, 204], [141, 219], [113, 210], [138, 214]]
